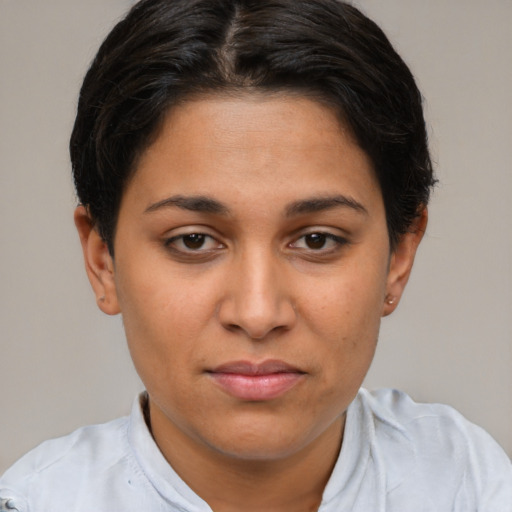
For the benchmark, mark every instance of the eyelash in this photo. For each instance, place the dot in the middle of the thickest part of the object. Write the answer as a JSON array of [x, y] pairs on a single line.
[[326, 236], [187, 250], [199, 253]]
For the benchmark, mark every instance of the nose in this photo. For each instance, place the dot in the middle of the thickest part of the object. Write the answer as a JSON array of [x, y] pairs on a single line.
[[257, 301]]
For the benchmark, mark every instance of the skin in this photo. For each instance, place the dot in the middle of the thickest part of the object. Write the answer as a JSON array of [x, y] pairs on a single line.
[[259, 286]]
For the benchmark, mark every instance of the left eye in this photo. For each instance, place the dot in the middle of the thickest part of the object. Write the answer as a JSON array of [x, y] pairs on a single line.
[[193, 242], [319, 241]]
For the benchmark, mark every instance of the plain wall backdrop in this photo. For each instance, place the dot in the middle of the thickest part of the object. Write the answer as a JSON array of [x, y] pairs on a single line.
[[63, 364]]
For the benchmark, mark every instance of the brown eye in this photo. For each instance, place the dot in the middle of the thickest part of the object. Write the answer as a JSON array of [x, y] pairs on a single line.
[[193, 244], [194, 241], [319, 242], [315, 240]]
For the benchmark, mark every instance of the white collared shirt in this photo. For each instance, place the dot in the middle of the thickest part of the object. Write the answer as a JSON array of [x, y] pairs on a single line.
[[397, 456]]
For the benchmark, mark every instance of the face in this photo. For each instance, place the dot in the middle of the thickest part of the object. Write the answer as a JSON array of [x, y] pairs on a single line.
[[252, 266]]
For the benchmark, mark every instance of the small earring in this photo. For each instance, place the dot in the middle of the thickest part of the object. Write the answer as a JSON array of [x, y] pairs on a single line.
[[391, 300], [102, 299]]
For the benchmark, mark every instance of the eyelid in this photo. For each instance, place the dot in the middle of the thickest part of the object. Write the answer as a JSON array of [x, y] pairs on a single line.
[[336, 239], [190, 229], [170, 240], [184, 235], [339, 240]]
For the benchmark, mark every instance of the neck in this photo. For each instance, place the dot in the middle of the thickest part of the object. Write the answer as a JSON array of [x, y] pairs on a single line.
[[230, 484]]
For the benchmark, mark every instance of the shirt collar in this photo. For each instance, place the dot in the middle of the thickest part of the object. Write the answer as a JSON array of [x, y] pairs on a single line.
[[156, 468]]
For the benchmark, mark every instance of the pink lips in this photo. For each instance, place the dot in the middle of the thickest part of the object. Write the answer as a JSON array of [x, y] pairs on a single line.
[[256, 382]]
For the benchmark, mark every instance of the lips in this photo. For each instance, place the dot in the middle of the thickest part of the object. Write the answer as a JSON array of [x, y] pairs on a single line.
[[256, 381]]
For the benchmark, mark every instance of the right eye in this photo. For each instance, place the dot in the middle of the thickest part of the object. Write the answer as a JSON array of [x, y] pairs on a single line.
[[193, 243]]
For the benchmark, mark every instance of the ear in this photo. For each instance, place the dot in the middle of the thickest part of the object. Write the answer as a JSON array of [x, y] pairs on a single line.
[[98, 262], [402, 259]]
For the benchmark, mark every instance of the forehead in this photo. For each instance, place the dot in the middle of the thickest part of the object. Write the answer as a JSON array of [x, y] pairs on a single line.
[[254, 145]]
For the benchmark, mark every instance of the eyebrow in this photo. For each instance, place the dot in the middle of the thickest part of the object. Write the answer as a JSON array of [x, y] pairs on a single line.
[[204, 204], [318, 204], [200, 204]]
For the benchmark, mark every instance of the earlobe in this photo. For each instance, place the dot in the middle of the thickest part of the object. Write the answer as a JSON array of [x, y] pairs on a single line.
[[98, 262], [401, 262]]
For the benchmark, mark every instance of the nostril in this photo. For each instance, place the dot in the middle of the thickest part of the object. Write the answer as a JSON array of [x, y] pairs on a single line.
[[254, 333]]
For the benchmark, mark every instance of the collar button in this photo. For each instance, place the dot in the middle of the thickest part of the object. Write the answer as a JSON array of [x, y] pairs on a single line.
[[7, 505]]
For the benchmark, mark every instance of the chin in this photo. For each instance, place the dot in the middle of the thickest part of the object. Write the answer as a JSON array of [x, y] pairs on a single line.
[[270, 440], [259, 449]]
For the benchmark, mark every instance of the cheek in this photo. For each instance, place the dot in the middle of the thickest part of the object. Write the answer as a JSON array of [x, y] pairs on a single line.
[[344, 315], [163, 298], [346, 306], [163, 318]]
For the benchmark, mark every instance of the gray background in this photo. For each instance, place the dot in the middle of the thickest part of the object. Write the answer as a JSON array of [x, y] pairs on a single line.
[[63, 364]]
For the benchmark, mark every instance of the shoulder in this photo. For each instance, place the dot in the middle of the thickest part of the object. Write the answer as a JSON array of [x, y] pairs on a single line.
[[65, 464], [436, 445], [428, 424]]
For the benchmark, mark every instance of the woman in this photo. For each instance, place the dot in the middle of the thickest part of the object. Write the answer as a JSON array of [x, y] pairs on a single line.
[[254, 179]]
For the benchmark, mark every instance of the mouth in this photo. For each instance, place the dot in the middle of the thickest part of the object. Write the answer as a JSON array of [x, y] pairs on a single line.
[[256, 382]]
